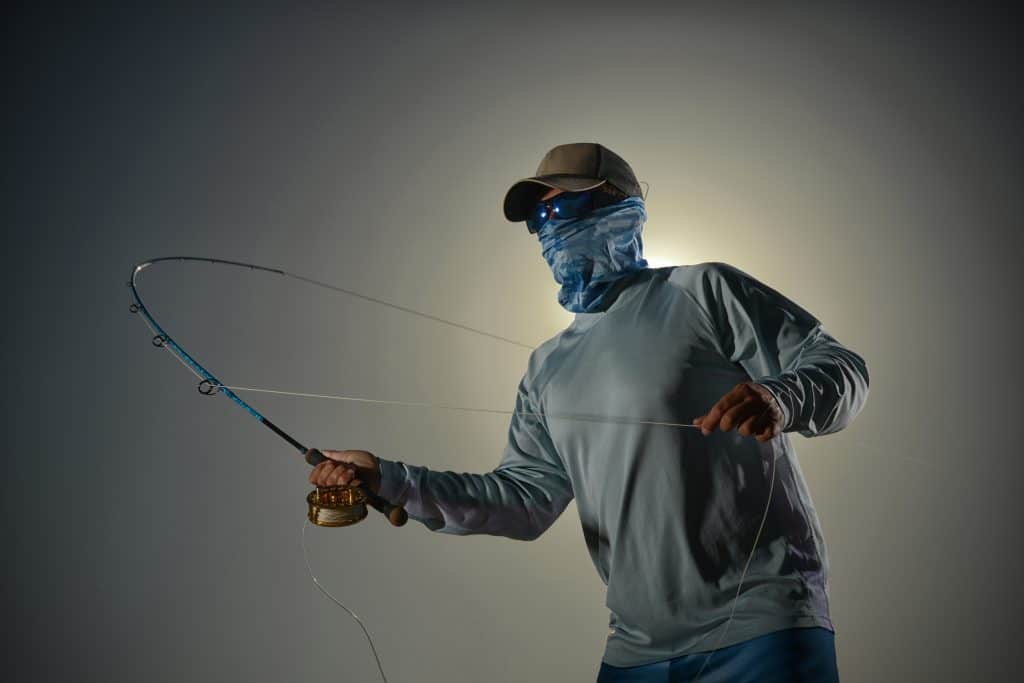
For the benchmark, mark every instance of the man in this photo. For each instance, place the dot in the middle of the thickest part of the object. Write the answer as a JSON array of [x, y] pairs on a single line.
[[678, 519]]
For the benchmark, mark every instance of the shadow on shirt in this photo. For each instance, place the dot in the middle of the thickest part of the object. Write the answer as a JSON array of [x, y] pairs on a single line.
[[726, 493]]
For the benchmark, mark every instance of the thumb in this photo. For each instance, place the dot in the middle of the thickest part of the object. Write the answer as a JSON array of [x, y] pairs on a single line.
[[340, 456]]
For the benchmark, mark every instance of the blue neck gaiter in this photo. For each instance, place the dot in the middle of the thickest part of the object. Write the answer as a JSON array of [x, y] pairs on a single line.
[[588, 254]]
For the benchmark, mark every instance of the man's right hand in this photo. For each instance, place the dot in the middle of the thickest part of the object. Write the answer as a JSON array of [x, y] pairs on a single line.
[[347, 468]]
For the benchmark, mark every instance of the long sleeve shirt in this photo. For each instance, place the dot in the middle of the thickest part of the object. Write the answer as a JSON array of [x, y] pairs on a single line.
[[669, 515]]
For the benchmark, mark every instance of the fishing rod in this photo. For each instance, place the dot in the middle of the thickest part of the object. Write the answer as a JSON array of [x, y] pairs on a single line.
[[329, 506]]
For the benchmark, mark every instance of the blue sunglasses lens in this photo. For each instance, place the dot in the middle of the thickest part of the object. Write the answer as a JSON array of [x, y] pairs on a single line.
[[565, 205]]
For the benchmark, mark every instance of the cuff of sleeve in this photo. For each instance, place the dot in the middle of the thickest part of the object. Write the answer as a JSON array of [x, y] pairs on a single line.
[[784, 396], [393, 476]]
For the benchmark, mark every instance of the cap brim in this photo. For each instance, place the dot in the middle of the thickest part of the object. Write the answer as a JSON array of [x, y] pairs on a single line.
[[521, 197]]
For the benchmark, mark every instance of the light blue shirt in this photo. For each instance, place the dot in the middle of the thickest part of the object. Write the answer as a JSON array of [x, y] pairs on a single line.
[[669, 515]]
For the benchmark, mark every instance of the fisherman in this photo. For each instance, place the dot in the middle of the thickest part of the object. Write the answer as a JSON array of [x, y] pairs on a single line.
[[702, 528]]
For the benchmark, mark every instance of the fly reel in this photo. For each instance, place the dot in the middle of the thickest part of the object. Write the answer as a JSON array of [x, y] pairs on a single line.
[[342, 505], [336, 505]]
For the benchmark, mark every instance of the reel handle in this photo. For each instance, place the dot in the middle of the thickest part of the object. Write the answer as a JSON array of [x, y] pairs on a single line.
[[396, 515]]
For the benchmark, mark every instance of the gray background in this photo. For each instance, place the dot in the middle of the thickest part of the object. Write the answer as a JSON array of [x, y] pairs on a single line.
[[867, 164]]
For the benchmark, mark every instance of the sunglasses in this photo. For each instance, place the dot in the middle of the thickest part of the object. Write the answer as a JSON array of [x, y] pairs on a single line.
[[567, 205]]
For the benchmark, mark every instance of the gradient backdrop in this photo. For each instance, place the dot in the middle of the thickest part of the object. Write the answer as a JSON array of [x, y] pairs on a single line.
[[867, 164]]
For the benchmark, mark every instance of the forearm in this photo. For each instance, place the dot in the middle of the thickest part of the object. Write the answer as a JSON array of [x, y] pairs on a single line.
[[825, 392], [519, 503]]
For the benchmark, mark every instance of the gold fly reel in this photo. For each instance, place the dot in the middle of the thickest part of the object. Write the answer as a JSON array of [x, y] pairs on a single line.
[[336, 505]]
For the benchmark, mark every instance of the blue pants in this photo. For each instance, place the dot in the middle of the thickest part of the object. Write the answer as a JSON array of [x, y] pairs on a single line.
[[794, 655]]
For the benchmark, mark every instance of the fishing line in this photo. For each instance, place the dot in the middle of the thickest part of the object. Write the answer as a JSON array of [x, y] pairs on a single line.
[[439, 406], [305, 557], [210, 385]]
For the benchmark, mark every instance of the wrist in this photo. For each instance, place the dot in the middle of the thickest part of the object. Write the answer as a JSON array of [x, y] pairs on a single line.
[[391, 480], [780, 393]]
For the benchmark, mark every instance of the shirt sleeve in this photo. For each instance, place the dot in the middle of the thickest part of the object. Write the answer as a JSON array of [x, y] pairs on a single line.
[[820, 384], [518, 499]]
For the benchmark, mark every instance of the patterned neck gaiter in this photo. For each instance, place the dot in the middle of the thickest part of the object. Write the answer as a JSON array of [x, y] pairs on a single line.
[[588, 254]]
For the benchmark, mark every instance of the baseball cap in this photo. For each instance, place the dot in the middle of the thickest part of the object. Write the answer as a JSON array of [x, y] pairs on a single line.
[[574, 167]]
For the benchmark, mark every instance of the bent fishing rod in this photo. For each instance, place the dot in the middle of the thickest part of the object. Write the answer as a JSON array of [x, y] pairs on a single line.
[[328, 506]]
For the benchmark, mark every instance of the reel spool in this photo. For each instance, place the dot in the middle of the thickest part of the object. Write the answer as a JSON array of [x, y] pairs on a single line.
[[336, 505]]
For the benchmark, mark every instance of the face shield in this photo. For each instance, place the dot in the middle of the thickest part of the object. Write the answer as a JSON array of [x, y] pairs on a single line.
[[587, 254]]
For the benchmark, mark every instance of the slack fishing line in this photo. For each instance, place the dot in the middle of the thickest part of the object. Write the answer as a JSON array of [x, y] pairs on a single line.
[[345, 505]]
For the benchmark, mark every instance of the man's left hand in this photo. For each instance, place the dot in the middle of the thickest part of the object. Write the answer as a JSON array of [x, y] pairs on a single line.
[[748, 405]]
